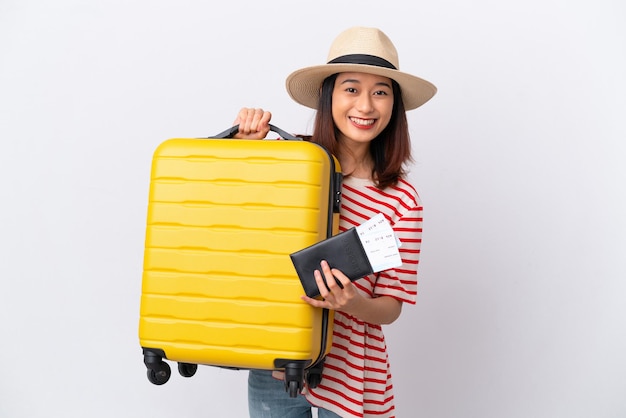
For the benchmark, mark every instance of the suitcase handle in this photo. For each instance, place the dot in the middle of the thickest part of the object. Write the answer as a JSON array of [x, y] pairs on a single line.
[[228, 133]]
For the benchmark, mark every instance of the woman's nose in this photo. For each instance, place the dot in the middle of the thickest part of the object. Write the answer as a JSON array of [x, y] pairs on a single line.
[[364, 103]]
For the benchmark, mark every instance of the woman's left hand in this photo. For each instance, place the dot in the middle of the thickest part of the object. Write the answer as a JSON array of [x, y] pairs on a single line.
[[344, 297]]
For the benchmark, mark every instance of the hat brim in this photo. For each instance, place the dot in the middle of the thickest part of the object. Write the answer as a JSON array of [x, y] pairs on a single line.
[[304, 85]]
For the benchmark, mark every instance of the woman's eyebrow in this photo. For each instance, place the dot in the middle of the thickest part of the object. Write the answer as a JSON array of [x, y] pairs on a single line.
[[352, 80]]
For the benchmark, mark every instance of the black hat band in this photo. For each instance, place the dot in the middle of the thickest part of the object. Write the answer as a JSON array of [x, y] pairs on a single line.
[[363, 59]]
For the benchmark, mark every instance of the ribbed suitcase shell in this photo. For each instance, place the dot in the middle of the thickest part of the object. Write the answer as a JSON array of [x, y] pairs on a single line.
[[218, 284]]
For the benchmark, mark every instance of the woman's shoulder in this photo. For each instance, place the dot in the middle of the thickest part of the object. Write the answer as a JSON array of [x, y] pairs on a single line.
[[405, 183], [405, 191]]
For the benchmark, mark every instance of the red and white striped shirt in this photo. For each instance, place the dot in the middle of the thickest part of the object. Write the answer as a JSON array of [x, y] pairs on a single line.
[[356, 380]]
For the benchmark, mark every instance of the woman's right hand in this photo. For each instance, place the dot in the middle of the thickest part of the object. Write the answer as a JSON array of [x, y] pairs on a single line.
[[254, 123]]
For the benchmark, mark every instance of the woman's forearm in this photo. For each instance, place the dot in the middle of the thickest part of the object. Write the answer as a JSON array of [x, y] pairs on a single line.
[[381, 310]]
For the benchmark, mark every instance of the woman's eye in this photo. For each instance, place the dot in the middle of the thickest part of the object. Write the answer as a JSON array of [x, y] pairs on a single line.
[[381, 93], [351, 90]]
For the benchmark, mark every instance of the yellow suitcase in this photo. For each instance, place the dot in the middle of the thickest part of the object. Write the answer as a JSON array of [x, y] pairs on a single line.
[[218, 285]]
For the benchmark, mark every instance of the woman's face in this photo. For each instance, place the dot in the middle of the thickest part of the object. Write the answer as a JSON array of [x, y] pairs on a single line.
[[362, 105]]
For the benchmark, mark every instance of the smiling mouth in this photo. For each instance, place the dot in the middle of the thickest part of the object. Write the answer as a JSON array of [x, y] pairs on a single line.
[[362, 122]]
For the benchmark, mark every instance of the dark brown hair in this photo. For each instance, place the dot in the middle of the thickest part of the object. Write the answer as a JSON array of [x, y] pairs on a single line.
[[390, 150]]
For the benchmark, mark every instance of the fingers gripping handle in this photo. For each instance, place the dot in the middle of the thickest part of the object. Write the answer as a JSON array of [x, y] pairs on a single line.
[[228, 133]]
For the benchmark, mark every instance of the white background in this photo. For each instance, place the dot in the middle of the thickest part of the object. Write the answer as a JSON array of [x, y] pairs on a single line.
[[519, 160]]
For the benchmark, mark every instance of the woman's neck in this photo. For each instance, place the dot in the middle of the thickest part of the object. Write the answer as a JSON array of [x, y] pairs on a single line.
[[356, 161]]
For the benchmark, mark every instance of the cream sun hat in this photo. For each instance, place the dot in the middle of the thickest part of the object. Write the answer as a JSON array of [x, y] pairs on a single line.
[[365, 50]]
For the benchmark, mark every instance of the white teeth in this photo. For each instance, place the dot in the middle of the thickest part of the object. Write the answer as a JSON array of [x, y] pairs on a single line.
[[365, 122]]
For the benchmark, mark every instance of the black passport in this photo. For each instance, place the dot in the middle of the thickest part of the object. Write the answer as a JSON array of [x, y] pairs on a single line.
[[343, 251]]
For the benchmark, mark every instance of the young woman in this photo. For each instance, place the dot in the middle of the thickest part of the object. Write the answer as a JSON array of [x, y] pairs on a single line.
[[361, 98]]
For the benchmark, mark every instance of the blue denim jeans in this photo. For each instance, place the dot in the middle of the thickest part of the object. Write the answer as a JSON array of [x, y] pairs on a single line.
[[267, 398]]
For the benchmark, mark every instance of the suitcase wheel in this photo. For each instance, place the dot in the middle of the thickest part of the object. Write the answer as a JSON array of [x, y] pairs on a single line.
[[314, 379], [314, 374], [293, 387], [294, 377], [187, 369], [159, 373]]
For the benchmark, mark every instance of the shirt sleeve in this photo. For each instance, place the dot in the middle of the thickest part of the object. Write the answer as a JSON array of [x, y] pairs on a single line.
[[401, 282]]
